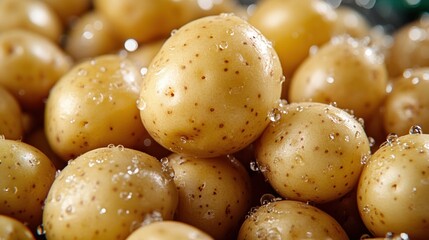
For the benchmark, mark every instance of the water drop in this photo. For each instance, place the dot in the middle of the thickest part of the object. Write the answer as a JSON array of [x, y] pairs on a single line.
[[332, 136], [313, 50], [273, 234], [69, 209], [230, 32], [347, 138], [416, 129], [366, 209], [282, 79], [389, 235], [364, 158], [131, 45], [184, 139], [82, 72], [305, 178], [365, 236], [152, 217], [299, 108], [40, 230], [103, 211], [391, 138], [141, 104], [222, 45], [267, 198], [166, 168], [330, 79], [103, 69], [371, 141], [274, 115], [174, 31], [299, 160], [126, 195], [34, 161], [111, 145], [120, 147], [404, 236], [254, 166], [143, 71]]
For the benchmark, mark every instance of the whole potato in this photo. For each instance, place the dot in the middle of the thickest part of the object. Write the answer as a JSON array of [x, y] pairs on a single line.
[[32, 15], [313, 152], [287, 219], [30, 65], [214, 194], [11, 125], [107, 193], [393, 189], [26, 176], [407, 103], [167, 230], [94, 105], [210, 88], [345, 71], [12, 229]]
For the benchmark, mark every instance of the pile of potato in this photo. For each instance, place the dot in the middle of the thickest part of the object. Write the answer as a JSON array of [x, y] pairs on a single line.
[[207, 119]]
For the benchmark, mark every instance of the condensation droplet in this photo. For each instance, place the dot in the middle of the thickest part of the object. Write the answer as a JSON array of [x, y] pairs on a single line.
[[416, 129], [40, 230], [391, 138], [364, 158], [366, 209], [166, 168], [222, 45], [371, 141], [230, 32], [332, 136], [274, 115], [174, 31], [254, 166], [313, 50], [69, 209], [268, 198], [141, 104], [103, 211], [131, 45]]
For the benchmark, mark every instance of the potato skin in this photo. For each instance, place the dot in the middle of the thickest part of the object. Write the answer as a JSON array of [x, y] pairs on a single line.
[[393, 189], [167, 230], [11, 126], [210, 88], [12, 229], [107, 193], [313, 153]]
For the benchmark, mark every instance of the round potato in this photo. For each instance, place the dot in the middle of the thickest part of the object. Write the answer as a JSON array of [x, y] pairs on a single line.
[[167, 230], [68, 10], [407, 103], [210, 88], [12, 229], [43, 61], [107, 193], [287, 219], [294, 27], [313, 152], [351, 22], [94, 105], [26, 176], [345, 71], [32, 15], [393, 189], [11, 125]]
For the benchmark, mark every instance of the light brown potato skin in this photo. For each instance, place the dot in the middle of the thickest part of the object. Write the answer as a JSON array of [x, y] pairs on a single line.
[[144, 54], [68, 10], [351, 22], [293, 27], [287, 219], [168, 230], [210, 88], [11, 126], [344, 71], [43, 61], [393, 189], [12, 229], [313, 153], [407, 104], [31, 15], [214, 194], [27, 175], [107, 193]]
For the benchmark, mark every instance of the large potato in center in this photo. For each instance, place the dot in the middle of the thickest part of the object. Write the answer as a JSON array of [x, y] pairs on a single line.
[[210, 88]]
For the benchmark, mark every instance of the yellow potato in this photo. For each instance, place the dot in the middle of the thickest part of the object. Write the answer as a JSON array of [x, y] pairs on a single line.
[[26, 176], [313, 152], [12, 229], [31, 15], [350, 21], [287, 219], [210, 88], [11, 125], [107, 193], [68, 10], [294, 27], [168, 230], [91, 35], [345, 71], [214, 194], [393, 189], [43, 61], [94, 105]]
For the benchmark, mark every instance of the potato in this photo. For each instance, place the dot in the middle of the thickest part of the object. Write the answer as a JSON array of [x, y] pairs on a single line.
[[94, 105], [43, 61], [294, 27], [12, 229], [68, 10], [345, 71], [93, 33], [287, 219], [11, 126], [167, 230], [210, 88], [214, 194], [351, 22], [107, 193], [26, 176], [32, 15], [143, 55], [393, 190], [407, 103], [313, 152]]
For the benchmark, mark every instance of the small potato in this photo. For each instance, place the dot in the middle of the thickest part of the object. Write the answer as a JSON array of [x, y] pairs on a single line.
[[11, 125], [345, 71], [393, 190], [30, 65], [210, 88], [168, 230], [12, 229], [32, 15], [68, 10], [94, 105], [287, 219], [107, 193], [26, 176], [313, 152], [351, 22], [407, 103], [91, 35], [214, 194], [294, 27]]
